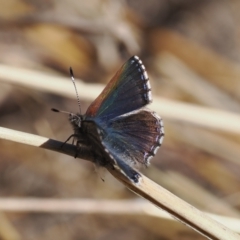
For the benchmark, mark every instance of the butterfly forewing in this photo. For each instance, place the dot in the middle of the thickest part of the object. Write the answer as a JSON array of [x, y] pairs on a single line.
[[127, 91]]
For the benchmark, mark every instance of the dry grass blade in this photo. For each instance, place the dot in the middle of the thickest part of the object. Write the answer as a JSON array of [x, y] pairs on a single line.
[[145, 188], [7, 230], [202, 116], [181, 185], [47, 83], [210, 142], [41, 142], [92, 206], [214, 67], [191, 113], [186, 79], [179, 209]]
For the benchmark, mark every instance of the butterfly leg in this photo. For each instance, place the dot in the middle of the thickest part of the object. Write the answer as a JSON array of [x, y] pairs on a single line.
[[81, 144], [72, 136]]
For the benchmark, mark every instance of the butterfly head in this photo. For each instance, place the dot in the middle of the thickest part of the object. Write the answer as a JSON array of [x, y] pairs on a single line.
[[75, 120]]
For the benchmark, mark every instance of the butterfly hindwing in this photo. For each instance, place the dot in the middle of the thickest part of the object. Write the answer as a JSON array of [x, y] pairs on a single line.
[[133, 137]]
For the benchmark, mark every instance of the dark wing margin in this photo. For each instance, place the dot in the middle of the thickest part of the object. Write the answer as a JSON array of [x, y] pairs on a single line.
[[127, 91]]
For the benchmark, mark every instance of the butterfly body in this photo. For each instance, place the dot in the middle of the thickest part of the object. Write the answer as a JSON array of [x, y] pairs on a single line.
[[120, 131], [86, 133]]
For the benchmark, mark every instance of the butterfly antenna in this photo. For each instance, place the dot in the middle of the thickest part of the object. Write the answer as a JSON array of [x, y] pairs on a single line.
[[60, 111], [74, 84]]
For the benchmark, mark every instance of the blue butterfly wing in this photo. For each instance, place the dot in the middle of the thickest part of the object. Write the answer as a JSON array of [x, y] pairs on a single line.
[[133, 138], [127, 91], [127, 134]]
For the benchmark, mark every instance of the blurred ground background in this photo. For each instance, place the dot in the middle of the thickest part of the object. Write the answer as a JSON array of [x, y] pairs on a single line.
[[191, 50]]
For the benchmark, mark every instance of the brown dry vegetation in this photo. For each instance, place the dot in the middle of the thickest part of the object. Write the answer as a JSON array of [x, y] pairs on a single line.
[[191, 50]]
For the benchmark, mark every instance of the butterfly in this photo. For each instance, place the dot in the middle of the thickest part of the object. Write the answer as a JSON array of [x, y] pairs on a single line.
[[116, 127]]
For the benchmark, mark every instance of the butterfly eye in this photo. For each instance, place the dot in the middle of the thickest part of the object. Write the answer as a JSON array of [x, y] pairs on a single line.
[[75, 119]]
